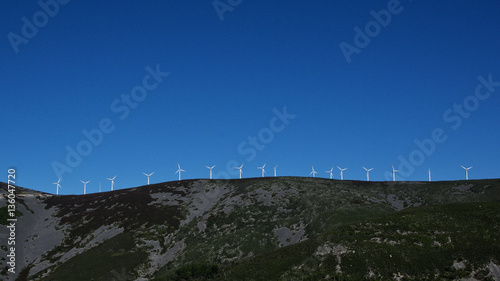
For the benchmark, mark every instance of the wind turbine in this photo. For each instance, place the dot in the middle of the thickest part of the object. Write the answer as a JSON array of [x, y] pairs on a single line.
[[275, 170], [148, 175], [57, 186], [112, 182], [313, 172], [466, 172], [262, 168], [367, 173], [394, 173], [210, 170], [179, 171], [341, 172], [240, 168], [330, 172], [84, 186], [429, 174]]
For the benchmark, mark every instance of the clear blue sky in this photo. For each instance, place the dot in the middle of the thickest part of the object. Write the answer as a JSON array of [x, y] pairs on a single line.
[[72, 68]]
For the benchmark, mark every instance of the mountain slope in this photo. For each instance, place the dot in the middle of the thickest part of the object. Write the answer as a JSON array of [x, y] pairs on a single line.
[[170, 225], [438, 242]]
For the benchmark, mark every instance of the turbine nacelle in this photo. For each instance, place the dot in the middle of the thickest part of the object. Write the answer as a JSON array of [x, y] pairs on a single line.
[[112, 181], [466, 171], [262, 168], [210, 168], [330, 172], [367, 173], [57, 186], [148, 175], [240, 168], [313, 172], [179, 171], [341, 172]]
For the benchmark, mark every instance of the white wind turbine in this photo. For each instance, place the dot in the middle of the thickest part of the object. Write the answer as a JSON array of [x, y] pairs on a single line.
[[240, 168], [313, 172], [275, 170], [330, 172], [394, 173], [466, 172], [429, 174], [210, 168], [367, 173], [148, 175], [179, 171], [262, 168], [84, 186], [341, 172], [112, 182], [57, 186]]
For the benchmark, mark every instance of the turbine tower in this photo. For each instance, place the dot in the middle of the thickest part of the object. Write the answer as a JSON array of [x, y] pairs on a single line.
[[179, 171], [112, 182], [262, 168], [330, 172], [210, 168], [275, 170], [367, 173], [240, 168], [341, 172], [84, 186], [466, 172], [394, 173], [313, 172], [429, 174], [148, 175], [57, 186]]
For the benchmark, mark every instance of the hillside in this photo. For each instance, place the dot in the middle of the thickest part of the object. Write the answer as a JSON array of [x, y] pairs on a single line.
[[223, 228], [441, 242]]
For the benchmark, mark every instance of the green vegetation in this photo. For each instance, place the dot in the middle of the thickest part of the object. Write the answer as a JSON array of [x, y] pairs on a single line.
[[419, 243], [4, 215], [114, 259], [284, 228], [192, 272]]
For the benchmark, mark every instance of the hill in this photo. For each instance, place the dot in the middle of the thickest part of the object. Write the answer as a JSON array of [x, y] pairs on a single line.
[[224, 228]]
